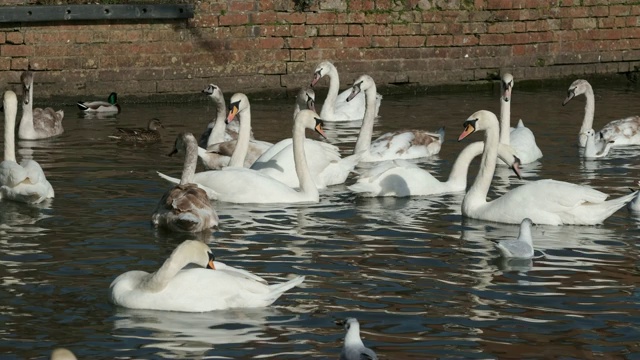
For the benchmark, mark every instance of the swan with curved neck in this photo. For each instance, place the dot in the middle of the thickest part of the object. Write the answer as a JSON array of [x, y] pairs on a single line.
[[220, 154], [592, 150], [562, 203], [37, 123], [401, 178], [24, 182], [212, 285], [241, 185], [404, 144], [336, 107], [185, 207], [520, 138], [619, 132]]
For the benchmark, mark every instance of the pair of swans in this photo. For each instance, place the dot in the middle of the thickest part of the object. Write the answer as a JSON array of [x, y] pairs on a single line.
[[24, 182], [223, 136], [617, 132], [548, 202], [37, 123], [336, 107], [212, 285], [241, 185], [185, 207]]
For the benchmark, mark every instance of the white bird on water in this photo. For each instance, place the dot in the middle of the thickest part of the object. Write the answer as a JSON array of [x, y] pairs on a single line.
[[522, 247], [354, 348]]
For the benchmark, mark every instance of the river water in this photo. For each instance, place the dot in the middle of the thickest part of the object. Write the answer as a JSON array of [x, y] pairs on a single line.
[[423, 281]]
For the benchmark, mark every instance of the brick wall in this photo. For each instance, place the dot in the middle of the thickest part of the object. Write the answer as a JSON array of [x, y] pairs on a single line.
[[263, 45]]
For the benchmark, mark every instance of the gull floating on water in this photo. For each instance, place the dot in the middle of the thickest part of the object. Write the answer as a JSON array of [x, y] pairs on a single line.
[[354, 348], [522, 247]]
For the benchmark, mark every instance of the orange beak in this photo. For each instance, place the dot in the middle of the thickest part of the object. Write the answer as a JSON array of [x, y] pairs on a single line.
[[211, 265], [232, 114], [468, 129]]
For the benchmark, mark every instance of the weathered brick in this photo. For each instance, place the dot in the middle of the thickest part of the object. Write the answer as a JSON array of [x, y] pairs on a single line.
[[237, 5], [412, 41], [15, 37], [356, 42], [16, 50], [233, 19], [19, 64]]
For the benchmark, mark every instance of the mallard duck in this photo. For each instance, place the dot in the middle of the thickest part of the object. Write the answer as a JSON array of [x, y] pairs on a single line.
[[109, 106], [150, 134], [37, 123]]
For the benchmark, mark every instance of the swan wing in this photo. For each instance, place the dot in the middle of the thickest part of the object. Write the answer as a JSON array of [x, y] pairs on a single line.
[[399, 178], [523, 142], [409, 144], [185, 208], [622, 132]]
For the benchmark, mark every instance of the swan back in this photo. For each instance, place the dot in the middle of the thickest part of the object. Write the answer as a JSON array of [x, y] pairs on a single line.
[[521, 247]]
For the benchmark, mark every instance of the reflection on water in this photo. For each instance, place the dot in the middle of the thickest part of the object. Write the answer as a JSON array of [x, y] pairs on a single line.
[[422, 281]]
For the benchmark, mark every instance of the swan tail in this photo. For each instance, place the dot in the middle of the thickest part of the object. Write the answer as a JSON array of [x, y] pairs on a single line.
[[520, 124], [441, 134], [278, 289]]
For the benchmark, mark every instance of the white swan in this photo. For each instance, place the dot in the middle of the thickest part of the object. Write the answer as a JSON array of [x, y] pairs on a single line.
[[62, 354], [240, 185], [353, 348], [218, 130], [306, 99], [212, 286], [520, 138], [592, 149], [224, 153], [403, 144], [185, 207], [544, 202], [402, 178], [24, 182], [37, 123], [325, 163], [621, 132], [336, 107], [521, 247]]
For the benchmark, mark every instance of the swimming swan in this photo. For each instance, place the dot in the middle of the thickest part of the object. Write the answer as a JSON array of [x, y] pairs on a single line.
[[210, 286], [37, 123], [24, 182], [562, 203], [520, 138], [621, 132], [403, 144], [240, 185], [185, 207], [336, 107]]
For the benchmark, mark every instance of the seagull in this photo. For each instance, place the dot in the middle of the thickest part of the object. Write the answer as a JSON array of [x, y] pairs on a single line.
[[353, 348], [522, 247]]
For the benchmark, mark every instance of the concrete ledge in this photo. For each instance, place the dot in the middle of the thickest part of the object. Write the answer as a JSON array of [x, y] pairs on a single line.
[[44, 13]]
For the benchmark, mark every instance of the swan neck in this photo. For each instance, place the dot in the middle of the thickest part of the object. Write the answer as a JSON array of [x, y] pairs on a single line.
[[329, 106], [589, 111], [505, 122], [307, 186], [353, 336], [460, 167], [159, 279], [477, 194], [219, 128], [9, 133], [190, 161], [366, 130], [525, 234], [242, 146], [27, 110]]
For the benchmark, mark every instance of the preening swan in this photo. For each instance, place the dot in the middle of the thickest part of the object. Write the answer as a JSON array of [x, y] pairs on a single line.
[[402, 178], [241, 185], [562, 203], [403, 144], [185, 207], [140, 135], [241, 152], [621, 132], [109, 106], [336, 107], [210, 286], [591, 149], [24, 182], [520, 138], [521, 247], [353, 348], [37, 123]]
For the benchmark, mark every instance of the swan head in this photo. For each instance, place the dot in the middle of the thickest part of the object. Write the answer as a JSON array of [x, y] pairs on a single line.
[[154, 124], [321, 70], [349, 324], [197, 251], [363, 83], [210, 89], [576, 88], [479, 120], [113, 98], [525, 230], [238, 103], [506, 84], [310, 120], [27, 82], [183, 141], [306, 99]]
